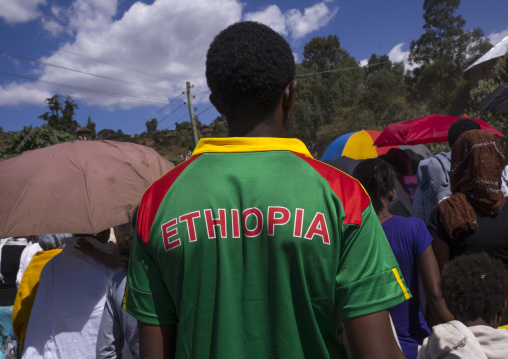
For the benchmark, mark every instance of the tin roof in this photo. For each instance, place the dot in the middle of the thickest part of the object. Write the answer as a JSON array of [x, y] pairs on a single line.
[[497, 51]]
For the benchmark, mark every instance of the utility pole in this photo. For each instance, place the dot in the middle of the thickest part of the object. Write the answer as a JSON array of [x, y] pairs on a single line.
[[191, 113]]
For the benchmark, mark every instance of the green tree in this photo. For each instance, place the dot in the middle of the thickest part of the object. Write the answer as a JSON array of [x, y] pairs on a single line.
[[32, 138], [61, 116], [107, 134], [91, 126], [384, 85], [219, 127], [441, 55], [499, 118], [151, 126], [328, 83]]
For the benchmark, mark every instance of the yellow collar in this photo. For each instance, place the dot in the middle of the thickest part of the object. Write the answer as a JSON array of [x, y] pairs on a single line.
[[250, 144]]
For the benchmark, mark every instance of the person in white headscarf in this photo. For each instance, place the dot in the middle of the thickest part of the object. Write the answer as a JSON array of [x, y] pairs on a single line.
[[67, 309], [475, 289], [39, 243]]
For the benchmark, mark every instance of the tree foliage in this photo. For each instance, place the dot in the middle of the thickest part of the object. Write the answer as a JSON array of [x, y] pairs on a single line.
[[61, 116], [441, 55], [499, 118], [328, 79], [151, 126], [91, 126], [30, 138], [219, 127]]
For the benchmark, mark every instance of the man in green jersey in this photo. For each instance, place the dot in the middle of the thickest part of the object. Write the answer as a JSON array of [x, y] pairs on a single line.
[[251, 248]]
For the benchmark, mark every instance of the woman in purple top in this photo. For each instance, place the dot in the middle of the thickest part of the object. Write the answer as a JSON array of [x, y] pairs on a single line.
[[410, 241]]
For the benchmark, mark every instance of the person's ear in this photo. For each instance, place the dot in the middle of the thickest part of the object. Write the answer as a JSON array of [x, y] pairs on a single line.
[[288, 102], [213, 100]]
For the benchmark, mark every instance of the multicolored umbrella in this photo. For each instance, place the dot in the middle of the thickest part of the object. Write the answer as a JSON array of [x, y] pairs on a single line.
[[428, 129], [358, 145]]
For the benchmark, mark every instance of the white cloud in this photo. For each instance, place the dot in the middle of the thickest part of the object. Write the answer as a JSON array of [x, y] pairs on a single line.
[[495, 38], [19, 11], [52, 26], [293, 21], [313, 18], [398, 55], [271, 16], [167, 39], [15, 94]]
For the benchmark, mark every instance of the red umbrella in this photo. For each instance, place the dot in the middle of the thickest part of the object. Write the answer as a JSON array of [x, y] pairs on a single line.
[[428, 129]]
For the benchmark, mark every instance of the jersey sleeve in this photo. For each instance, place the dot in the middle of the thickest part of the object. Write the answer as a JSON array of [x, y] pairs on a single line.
[[146, 297], [368, 278]]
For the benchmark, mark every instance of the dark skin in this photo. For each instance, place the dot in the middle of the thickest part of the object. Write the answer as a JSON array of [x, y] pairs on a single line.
[[441, 249], [429, 272], [369, 336], [493, 321]]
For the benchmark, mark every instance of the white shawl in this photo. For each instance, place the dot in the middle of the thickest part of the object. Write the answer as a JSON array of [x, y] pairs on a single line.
[[455, 340]]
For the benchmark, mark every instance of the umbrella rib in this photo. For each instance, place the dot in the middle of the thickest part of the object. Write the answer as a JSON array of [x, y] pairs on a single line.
[[88, 196]]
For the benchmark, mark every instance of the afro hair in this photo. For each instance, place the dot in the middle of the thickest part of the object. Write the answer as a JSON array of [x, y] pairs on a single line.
[[249, 65], [475, 286], [459, 127]]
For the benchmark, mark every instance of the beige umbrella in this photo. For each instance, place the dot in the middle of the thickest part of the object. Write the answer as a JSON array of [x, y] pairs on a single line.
[[75, 187]]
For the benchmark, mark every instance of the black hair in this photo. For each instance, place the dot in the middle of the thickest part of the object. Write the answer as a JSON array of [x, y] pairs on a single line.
[[399, 159], [378, 179], [475, 286], [248, 66], [459, 127]]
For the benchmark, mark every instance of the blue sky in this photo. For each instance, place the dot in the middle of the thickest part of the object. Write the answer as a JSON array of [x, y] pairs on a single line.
[[124, 62]]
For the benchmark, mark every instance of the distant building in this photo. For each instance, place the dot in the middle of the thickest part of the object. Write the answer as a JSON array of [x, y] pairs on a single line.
[[84, 134], [482, 68]]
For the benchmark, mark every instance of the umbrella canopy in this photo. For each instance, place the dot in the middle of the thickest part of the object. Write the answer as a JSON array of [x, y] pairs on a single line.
[[75, 187], [357, 145], [496, 100], [428, 129], [345, 164]]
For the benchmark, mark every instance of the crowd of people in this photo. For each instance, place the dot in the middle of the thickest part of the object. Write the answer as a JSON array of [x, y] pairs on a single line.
[[251, 248]]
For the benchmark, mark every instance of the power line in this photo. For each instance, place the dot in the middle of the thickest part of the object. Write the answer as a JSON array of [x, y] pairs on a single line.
[[344, 69], [204, 111], [86, 57], [88, 73], [173, 112], [130, 132], [100, 92]]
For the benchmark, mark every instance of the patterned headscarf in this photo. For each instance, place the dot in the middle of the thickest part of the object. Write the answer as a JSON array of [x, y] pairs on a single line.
[[475, 181]]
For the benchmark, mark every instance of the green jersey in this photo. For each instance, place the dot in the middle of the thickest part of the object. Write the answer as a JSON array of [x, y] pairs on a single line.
[[256, 249]]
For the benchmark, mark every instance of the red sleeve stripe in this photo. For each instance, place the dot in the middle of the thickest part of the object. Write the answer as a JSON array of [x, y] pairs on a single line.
[[153, 197], [351, 194]]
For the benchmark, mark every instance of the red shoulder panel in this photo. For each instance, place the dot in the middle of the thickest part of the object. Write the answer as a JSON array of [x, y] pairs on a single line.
[[153, 197], [350, 192]]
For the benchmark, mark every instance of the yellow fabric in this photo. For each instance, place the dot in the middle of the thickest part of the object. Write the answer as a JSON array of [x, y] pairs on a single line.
[[397, 276], [250, 144], [26, 293], [503, 327], [360, 146]]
